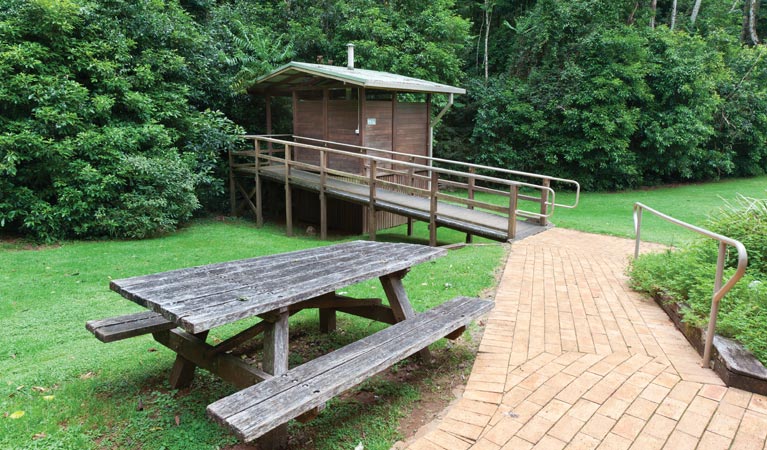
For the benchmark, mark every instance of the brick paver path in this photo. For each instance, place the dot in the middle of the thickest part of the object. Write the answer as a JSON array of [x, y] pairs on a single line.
[[572, 358]]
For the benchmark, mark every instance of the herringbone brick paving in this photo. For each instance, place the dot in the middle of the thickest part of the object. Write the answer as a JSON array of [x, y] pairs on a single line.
[[572, 358]]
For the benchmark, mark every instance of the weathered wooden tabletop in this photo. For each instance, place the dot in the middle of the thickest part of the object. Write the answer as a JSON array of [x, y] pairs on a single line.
[[200, 298]]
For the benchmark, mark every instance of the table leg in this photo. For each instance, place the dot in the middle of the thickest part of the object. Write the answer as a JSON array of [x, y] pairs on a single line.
[[327, 320], [182, 373], [400, 303], [276, 363]]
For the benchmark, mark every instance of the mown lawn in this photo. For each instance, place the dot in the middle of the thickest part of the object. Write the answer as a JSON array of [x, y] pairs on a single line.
[[76, 393], [611, 212]]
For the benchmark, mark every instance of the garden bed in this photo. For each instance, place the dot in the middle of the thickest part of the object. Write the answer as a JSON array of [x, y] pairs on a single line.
[[735, 365]]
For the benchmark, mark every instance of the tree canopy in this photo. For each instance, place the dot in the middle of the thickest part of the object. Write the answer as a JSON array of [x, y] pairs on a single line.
[[115, 115]]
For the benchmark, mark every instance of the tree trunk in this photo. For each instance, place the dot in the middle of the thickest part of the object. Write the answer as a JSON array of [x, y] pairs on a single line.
[[488, 14], [630, 20], [673, 16], [695, 11], [653, 9], [752, 17]]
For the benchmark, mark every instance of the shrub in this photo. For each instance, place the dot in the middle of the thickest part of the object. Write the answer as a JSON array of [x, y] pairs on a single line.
[[98, 132], [745, 219]]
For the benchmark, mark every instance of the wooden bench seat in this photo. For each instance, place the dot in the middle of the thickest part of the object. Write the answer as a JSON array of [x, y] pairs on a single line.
[[256, 410], [129, 325]]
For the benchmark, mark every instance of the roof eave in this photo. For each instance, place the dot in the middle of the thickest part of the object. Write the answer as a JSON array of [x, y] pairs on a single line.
[[350, 79], [443, 89]]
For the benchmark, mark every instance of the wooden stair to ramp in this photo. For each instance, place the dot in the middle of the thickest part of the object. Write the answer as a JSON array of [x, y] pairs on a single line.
[[256, 410]]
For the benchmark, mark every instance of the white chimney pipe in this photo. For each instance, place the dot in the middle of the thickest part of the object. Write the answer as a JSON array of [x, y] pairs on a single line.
[[350, 56]]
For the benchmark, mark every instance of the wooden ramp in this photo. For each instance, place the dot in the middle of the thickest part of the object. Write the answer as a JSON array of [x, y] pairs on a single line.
[[470, 221], [405, 185]]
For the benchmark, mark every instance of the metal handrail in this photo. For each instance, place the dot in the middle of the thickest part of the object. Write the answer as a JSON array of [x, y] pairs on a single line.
[[576, 185], [719, 290]]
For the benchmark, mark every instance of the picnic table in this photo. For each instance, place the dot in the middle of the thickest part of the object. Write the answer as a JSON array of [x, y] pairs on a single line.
[[184, 305]]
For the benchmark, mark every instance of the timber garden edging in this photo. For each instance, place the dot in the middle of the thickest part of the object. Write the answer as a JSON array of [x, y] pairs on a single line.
[[734, 364]]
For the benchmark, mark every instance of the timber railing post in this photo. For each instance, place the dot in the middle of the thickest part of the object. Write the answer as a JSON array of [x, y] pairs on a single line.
[[372, 223], [513, 198], [288, 196], [232, 197], [411, 182], [323, 200], [433, 208], [470, 195], [259, 204], [544, 201]]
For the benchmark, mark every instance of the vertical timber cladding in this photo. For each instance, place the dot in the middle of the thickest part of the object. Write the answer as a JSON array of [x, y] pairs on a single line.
[[412, 129], [307, 122], [383, 122], [341, 124], [399, 123]]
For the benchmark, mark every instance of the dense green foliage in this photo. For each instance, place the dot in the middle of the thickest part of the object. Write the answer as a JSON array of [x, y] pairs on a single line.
[[115, 115], [686, 276], [98, 135], [587, 94]]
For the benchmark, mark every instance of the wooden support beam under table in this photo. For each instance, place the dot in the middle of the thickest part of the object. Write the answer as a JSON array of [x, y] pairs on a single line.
[[182, 373], [196, 353], [400, 303], [276, 363], [327, 320]]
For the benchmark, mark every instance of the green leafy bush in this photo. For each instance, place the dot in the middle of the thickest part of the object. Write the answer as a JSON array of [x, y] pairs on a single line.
[[616, 104], [686, 276], [745, 219], [99, 135]]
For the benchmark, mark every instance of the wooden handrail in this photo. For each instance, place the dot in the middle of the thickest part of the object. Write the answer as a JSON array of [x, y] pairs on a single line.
[[401, 173], [421, 167], [544, 178]]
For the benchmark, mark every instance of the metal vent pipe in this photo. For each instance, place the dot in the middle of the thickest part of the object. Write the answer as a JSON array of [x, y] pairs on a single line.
[[350, 56]]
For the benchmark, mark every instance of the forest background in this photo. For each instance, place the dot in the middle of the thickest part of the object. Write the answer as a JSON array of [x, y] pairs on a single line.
[[116, 115]]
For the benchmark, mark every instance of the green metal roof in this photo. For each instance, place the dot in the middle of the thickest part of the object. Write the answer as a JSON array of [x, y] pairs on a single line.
[[298, 74]]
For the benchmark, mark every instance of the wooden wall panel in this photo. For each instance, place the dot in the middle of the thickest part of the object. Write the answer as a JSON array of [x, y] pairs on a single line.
[[343, 119], [308, 123], [378, 135], [412, 129]]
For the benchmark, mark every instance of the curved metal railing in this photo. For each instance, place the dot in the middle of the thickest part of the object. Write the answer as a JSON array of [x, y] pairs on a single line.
[[719, 289]]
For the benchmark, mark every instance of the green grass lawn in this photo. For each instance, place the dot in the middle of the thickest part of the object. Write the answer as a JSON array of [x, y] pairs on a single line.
[[611, 213], [77, 393]]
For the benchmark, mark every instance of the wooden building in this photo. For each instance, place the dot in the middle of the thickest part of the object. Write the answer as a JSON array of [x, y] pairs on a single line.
[[355, 110]]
